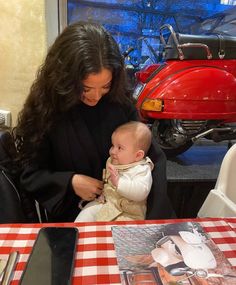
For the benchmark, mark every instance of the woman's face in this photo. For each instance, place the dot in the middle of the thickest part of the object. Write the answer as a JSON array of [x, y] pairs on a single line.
[[95, 86]]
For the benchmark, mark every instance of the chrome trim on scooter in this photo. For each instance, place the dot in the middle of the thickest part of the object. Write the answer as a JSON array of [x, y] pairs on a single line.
[[210, 131], [138, 90], [181, 46]]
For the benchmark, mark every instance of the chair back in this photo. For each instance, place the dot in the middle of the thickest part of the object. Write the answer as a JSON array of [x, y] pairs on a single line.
[[226, 181], [221, 201], [15, 206]]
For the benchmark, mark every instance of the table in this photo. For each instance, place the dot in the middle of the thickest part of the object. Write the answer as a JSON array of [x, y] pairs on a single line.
[[96, 258]]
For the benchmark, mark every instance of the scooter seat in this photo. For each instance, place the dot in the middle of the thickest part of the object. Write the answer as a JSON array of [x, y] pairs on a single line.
[[221, 47]]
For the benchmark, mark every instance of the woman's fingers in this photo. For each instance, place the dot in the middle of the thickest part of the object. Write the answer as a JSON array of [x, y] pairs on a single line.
[[86, 187], [91, 196], [97, 187]]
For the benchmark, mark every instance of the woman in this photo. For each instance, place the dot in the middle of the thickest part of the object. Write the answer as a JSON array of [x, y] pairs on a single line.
[[63, 133]]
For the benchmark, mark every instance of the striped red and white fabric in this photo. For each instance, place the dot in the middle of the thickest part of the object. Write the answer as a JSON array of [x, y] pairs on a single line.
[[96, 258]]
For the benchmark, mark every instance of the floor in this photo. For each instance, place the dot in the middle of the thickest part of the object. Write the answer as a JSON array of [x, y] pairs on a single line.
[[192, 175]]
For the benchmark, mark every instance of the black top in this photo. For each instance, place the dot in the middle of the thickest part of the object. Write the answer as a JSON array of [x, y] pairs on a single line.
[[93, 116]]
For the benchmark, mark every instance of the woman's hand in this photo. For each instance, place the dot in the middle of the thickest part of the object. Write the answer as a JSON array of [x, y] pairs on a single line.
[[86, 187]]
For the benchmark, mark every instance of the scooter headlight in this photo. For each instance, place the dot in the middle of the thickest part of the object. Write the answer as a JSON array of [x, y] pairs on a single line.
[[137, 90], [153, 105]]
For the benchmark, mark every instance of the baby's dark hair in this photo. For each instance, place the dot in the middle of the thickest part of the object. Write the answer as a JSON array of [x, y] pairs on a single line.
[[141, 133]]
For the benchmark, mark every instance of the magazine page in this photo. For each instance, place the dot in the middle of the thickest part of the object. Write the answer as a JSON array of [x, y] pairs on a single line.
[[170, 254]]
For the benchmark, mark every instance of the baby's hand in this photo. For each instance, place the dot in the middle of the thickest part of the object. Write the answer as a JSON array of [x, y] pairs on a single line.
[[114, 174]]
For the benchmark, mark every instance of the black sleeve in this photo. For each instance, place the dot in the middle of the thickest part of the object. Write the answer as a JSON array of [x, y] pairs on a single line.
[[52, 189], [158, 203]]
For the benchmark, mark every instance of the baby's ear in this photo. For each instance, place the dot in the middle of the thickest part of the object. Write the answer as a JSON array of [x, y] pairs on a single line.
[[139, 155]]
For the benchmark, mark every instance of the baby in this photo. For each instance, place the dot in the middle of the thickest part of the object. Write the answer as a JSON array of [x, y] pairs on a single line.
[[127, 178]]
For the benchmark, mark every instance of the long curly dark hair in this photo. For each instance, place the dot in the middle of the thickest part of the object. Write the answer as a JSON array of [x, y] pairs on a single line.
[[81, 49]]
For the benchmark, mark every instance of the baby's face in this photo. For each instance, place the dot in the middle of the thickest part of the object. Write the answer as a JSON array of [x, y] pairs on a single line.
[[123, 150]]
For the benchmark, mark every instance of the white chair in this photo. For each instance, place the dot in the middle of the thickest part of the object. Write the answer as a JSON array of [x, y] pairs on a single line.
[[221, 201]]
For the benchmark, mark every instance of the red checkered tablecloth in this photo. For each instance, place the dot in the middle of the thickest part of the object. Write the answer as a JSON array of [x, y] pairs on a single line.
[[96, 258]]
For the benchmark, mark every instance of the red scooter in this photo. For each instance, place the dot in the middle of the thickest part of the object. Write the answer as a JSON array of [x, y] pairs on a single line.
[[191, 94]]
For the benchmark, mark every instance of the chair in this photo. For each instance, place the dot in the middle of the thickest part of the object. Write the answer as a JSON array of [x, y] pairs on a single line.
[[15, 206], [221, 201]]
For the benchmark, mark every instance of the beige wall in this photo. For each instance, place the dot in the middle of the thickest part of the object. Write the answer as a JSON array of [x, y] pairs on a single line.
[[22, 49]]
